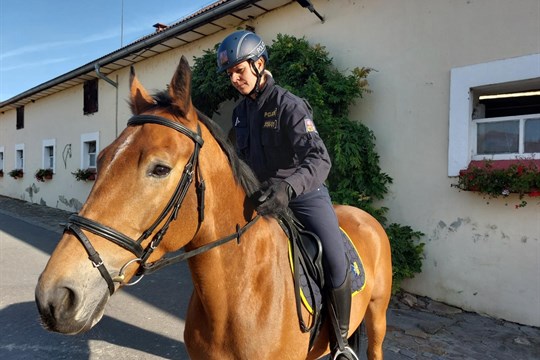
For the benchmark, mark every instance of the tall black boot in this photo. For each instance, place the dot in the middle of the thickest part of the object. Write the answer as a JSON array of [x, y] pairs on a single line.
[[340, 311]]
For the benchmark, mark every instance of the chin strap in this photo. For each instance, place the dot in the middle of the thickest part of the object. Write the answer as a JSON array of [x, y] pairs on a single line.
[[257, 88]]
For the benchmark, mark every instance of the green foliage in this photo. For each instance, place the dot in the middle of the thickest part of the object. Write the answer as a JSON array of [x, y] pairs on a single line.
[[356, 178], [209, 89], [406, 254]]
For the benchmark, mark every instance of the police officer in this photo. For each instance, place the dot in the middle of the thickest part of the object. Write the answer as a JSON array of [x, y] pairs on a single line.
[[276, 136]]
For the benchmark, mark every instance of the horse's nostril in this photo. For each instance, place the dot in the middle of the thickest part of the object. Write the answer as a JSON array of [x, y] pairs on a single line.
[[70, 298], [61, 304]]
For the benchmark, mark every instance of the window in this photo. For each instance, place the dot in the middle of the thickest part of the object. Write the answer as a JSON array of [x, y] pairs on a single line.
[[2, 158], [89, 150], [49, 150], [19, 156], [494, 111], [90, 105], [20, 118], [506, 125]]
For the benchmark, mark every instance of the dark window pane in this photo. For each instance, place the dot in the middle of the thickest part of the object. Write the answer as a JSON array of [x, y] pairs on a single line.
[[532, 135], [498, 137], [90, 105], [20, 118]]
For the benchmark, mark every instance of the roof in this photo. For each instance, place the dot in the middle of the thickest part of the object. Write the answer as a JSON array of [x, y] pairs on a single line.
[[215, 17]]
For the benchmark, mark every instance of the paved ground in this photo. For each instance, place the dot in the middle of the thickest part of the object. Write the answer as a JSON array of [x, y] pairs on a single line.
[[418, 328]]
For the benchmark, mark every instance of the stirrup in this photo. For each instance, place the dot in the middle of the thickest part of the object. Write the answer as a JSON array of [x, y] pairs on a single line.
[[346, 354]]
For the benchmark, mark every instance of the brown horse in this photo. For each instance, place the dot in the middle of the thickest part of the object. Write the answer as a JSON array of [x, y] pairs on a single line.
[[243, 303]]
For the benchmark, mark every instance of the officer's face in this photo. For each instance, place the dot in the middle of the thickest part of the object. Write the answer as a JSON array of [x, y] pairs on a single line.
[[242, 76]]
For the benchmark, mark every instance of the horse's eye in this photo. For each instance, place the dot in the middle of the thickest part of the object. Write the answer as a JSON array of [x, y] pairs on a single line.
[[160, 171]]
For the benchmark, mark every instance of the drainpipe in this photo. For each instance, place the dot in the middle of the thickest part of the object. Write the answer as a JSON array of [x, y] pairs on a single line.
[[115, 84]]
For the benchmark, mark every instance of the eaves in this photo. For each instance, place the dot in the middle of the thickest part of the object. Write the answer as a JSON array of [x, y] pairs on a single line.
[[215, 17]]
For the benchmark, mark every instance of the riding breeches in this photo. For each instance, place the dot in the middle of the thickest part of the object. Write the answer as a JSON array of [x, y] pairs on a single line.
[[316, 213]]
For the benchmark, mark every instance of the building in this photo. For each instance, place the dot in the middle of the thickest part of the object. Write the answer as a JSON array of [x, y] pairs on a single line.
[[433, 62]]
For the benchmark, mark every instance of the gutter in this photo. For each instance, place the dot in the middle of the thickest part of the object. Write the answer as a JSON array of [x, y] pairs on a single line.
[[203, 18], [103, 76]]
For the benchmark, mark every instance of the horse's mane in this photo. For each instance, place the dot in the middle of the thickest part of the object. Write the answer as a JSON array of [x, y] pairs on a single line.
[[241, 171]]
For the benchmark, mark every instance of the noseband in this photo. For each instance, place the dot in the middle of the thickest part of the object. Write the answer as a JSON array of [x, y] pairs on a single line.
[[76, 223]]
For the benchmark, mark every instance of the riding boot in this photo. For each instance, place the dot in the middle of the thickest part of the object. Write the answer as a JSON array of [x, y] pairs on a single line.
[[340, 310]]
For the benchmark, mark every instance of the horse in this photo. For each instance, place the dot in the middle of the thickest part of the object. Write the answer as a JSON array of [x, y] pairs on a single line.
[[243, 300]]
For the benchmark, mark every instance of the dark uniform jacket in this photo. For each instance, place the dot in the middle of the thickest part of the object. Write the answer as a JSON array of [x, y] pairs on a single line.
[[276, 136]]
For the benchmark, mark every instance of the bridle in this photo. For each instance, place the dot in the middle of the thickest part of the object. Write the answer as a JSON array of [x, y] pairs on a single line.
[[77, 223]]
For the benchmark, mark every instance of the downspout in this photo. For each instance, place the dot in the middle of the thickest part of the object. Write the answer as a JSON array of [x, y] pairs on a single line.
[[115, 84]]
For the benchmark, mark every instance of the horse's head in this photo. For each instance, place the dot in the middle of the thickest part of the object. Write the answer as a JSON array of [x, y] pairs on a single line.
[[143, 184]]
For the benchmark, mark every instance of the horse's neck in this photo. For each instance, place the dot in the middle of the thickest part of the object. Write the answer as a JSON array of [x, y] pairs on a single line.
[[237, 269]]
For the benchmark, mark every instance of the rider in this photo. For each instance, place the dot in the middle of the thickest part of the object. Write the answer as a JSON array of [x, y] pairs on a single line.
[[276, 136]]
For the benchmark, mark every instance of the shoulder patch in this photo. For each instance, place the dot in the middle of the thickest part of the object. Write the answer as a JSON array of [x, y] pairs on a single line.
[[310, 125]]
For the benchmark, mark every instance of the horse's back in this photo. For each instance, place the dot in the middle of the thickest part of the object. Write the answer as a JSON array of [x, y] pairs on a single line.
[[363, 228], [373, 245]]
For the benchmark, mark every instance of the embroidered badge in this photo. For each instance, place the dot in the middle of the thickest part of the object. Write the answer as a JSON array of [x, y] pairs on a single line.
[[270, 124], [237, 121], [268, 114], [310, 126]]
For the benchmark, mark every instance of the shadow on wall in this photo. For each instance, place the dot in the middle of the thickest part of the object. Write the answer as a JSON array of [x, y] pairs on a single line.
[[71, 203]]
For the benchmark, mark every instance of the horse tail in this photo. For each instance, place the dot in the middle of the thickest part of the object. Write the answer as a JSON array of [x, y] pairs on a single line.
[[355, 340]]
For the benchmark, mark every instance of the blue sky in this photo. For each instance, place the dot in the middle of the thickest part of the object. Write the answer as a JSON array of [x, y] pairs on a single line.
[[43, 39]]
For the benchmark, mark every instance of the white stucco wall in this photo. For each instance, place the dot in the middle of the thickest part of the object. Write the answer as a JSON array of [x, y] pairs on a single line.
[[480, 256]]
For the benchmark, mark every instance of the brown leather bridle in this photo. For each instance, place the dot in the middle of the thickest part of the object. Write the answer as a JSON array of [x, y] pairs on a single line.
[[77, 223]]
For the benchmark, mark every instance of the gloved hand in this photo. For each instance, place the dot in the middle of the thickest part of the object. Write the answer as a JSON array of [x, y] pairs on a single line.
[[275, 199]]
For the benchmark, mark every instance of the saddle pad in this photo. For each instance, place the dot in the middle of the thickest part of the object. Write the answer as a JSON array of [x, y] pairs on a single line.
[[309, 290]]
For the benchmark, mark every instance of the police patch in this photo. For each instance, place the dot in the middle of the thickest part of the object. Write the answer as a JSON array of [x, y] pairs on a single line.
[[310, 125], [270, 124]]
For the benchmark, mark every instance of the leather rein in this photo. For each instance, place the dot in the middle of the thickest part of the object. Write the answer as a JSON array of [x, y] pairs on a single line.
[[77, 223]]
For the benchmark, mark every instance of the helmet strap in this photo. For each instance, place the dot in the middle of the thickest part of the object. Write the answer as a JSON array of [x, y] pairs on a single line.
[[257, 88]]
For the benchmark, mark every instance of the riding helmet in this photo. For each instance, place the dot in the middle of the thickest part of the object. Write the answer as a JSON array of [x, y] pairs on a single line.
[[240, 46]]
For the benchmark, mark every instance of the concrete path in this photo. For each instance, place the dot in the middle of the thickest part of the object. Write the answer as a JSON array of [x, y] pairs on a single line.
[[146, 321]]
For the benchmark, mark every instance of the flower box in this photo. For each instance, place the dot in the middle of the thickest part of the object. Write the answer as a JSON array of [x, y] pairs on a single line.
[[16, 173], [501, 178], [43, 174], [85, 174]]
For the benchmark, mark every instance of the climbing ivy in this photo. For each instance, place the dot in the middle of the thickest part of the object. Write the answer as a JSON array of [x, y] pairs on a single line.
[[356, 178]]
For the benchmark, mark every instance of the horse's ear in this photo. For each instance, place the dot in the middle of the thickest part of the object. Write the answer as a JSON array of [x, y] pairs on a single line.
[[180, 87], [140, 100]]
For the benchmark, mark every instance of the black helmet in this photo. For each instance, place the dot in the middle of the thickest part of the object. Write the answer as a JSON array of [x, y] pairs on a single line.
[[240, 46]]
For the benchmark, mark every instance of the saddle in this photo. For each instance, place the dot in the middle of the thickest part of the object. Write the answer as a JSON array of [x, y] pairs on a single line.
[[305, 255]]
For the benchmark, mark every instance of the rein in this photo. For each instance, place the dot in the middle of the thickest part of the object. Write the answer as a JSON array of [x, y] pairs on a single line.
[[76, 222]]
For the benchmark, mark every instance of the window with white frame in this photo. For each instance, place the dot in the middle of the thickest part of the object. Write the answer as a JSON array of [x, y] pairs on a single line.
[[49, 151], [89, 150], [2, 158], [494, 112], [505, 125], [19, 156]]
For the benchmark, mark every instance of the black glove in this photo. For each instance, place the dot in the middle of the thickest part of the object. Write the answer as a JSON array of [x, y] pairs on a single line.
[[275, 199]]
